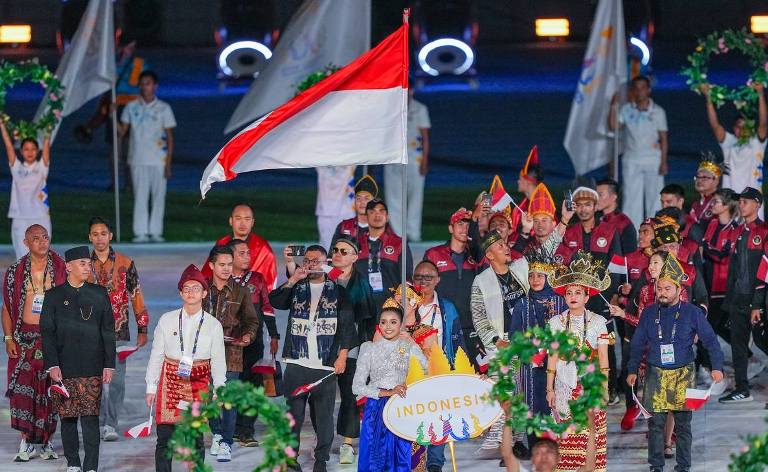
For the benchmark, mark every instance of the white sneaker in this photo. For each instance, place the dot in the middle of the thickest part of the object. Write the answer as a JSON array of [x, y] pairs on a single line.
[[110, 434], [719, 388], [156, 239], [74, 469], [754, 367], [346, 454], [215, 444], [225, 453], [47, 453], [26, 452], [141, 239]]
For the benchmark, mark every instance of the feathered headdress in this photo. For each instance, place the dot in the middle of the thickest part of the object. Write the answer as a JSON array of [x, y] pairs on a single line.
[[710, 163]]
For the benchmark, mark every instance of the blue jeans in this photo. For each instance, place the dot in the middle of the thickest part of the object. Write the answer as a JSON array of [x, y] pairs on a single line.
[[436, 455], [225, 426]]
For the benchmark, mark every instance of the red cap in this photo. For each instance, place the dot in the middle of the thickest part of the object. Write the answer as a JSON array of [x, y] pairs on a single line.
[[461, 214], [192, 273]]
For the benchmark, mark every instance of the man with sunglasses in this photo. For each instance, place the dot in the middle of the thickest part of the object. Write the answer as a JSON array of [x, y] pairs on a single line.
[[319, 334], [705, 182], [441, 314], [457, 265], [360, 297]]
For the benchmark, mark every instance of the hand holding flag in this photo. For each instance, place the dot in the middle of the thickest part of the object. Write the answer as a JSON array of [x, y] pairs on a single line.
[[124, 351], [306, 388], [59, 388], [141, 430], [695, 398]]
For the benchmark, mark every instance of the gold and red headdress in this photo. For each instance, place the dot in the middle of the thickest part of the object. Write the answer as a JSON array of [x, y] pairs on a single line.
[[542, 202]]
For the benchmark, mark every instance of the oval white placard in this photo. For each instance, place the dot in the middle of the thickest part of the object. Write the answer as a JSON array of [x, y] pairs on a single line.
[[451, 407]]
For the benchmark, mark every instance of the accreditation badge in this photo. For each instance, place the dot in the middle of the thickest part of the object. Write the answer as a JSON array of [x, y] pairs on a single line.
[[37, 303], [185, 367], [376, 281], [667, 354]]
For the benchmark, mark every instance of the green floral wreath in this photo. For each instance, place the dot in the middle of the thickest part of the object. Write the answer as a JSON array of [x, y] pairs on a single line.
[[744, 97], [315, 77], [540, 342], [278, 443], [753, 457], [12, 74]]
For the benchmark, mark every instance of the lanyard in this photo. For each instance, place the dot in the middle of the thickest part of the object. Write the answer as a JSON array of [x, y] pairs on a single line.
[[377, 263], [674, 326], [197, 335], [32, 279]]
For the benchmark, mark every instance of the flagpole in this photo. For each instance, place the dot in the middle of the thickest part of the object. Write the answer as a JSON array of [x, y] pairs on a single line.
[[616, 139], [116, 179], [404, 193]]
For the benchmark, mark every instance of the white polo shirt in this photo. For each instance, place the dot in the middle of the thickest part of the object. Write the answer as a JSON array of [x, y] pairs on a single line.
[[641, 130], [148, 140], [418, 118], [29, 196], [745, 162]]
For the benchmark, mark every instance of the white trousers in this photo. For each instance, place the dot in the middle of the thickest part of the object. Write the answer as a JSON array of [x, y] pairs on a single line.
[[641, 187], [148, 182], [19, 227], [415, 194]]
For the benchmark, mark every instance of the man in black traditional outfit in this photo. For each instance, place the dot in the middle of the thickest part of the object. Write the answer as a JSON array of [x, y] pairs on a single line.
[[78, 334]]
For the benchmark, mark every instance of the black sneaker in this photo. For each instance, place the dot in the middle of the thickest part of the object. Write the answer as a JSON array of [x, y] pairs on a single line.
[[736, 396]]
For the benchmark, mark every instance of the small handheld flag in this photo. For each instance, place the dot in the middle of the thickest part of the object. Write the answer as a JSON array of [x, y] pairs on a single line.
[[306, 388], [695, 398], [141, 430], [641, 409], [333, 273], [500, 199], [538, 359], [265, 367], [60, 389], [762, 269], [124, 351], [482, 363], [618, 265]]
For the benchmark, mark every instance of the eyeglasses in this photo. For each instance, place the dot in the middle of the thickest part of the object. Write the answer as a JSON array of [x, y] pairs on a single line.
[[342, 251], [717, 201], [313, 261], [193, 289], [423, 277], [703, 177]]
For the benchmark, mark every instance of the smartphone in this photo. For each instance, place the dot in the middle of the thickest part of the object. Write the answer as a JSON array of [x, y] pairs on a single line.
[[487, 199], [569, 201], [297, 250]]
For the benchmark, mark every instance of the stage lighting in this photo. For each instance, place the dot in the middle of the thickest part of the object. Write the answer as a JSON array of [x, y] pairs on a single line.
[[15, 34], [446, 56], [552, 27], [759, 24], [243, 58], [638, 43]]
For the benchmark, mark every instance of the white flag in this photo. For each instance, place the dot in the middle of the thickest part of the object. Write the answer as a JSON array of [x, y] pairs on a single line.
[[319, 33], [87, 69], [603, 71]]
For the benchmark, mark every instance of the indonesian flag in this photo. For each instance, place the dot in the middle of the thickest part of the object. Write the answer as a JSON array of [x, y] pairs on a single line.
[[264, 366], [333, 273], [618, 265], [500, 199], [58, 388], [141, 430], [124, 351], [357, 116], [695, 398], [306, 388], [538, 359], [482, 363], [641, 411], [762, 269]]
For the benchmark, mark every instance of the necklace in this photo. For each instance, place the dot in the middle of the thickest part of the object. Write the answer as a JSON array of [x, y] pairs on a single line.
[[506, 278], [90, 312]]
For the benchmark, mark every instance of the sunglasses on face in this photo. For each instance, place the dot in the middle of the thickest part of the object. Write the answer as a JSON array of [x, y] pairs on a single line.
[[703, 177], [342, 251]]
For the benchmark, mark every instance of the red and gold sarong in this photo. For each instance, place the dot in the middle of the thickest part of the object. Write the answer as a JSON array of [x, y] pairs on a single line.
[[172, 389]]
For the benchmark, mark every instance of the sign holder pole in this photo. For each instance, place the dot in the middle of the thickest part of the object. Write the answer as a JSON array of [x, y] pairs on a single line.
[[453, 455]]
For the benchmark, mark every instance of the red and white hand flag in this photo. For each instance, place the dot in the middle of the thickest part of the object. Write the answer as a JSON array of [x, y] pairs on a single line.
[[141, 430], [618, 265], [762, 269], [58, 388], [333, 273], [124, 351], [695, 398], [641, 411], [306, 388], [265, 366], [482, 363], [500, 199], [356, 116], [538, 359]]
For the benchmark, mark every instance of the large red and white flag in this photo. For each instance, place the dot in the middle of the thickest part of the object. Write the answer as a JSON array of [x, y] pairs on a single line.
[[358, 115], [762, 269]]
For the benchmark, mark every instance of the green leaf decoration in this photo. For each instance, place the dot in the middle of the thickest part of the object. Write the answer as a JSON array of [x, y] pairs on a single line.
[[14, 73]]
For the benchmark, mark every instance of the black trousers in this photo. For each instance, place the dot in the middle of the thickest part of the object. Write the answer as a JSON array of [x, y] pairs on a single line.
[[682, 445], [629, 331], [91, 439], [244, 427], [164, 433], [741, 328], [348, 422], [321, 402], [613, 375]]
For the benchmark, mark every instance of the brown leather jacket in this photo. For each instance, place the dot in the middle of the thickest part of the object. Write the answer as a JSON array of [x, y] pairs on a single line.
[[233, 308]]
